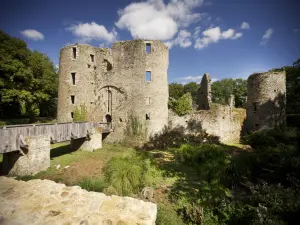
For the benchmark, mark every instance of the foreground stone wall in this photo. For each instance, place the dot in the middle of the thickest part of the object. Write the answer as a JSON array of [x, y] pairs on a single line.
[[47, 202], [222, 121]]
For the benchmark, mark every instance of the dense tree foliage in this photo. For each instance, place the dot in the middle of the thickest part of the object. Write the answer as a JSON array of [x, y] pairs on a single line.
[[293, 88], [183, 105], [28, 80], [176, 90], [221, 91]]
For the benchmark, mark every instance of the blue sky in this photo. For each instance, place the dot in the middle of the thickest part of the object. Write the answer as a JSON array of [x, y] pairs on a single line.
[[225, 38]]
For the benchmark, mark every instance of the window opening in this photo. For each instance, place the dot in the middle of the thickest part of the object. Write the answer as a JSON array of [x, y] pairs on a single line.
[[92, 57], [72, 115], [254, 106], [73, 99], [148, 116], [73, 78], [148, 48], [108, 118], [148, 100], [148, 75], [74, 53], [89, 66]]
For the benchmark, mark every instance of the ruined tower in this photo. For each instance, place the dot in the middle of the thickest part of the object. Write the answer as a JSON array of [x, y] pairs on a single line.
[[266, 100], [114, 85], [204, 94]]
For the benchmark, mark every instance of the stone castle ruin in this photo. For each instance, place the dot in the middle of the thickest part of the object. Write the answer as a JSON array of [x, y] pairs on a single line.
[[266, 100], [130, 80], [204, 95]]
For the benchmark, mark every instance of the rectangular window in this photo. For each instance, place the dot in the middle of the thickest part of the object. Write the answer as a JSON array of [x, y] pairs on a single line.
[[73, 78], [148, 48], [148, 75], [74, 53], [72, 115], [92, 58], [73, 99], [148, 116]]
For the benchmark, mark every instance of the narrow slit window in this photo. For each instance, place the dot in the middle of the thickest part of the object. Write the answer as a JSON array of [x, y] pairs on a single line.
[[148, 48], [148, 75], [148, 100], [254, 107], [72, 115], [73, 99], [148, 116], [92, 57], [74, 53], [73, 78]]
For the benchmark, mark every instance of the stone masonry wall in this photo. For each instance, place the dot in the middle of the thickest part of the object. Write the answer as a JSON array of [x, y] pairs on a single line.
[[46, 202], [221, 121], [204, 93], [115, 86], [266, 100]]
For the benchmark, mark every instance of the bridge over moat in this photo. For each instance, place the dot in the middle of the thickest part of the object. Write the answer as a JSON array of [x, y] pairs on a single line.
[[26, 148]]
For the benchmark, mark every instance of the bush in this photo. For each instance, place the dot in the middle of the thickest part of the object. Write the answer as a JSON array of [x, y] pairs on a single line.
[[166, 215], [271, 138], [80, 114], [183, 105], [129, 175], [93, 184], [210, 160]]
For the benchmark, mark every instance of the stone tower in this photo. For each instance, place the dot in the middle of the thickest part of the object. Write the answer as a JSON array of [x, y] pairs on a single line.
[[266, 100], [128, 80], [204, 94]]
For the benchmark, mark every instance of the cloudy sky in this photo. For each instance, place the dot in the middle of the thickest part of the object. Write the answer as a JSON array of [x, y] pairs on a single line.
[[225, 38]]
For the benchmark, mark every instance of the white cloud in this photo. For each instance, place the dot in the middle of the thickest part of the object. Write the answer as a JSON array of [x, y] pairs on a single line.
[[92, 31], [245, 26], [33, 34], [196, 32], [214, 35], [183, 39], [267, 36], [153, 19]]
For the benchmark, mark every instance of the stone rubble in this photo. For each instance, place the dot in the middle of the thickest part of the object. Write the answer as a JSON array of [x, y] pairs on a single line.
[[47, 202]]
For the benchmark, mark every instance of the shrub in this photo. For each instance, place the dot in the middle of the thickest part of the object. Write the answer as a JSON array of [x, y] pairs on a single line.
[[135, 132], [129, 175], [80, 114], [93, 184], [183, 105], [210, 160], [271, 138], [166, 215]]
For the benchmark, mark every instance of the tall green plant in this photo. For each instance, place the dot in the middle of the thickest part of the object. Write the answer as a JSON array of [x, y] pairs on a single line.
[[80, 114]]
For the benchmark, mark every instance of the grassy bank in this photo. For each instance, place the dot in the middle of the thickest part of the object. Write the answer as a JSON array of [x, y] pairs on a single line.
[[195, 183]]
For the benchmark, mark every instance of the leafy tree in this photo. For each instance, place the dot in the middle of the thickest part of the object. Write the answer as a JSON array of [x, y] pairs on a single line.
[[192, 88], [221, 91], [176, 90], [293, 88], [183, 105], [27, 79]]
